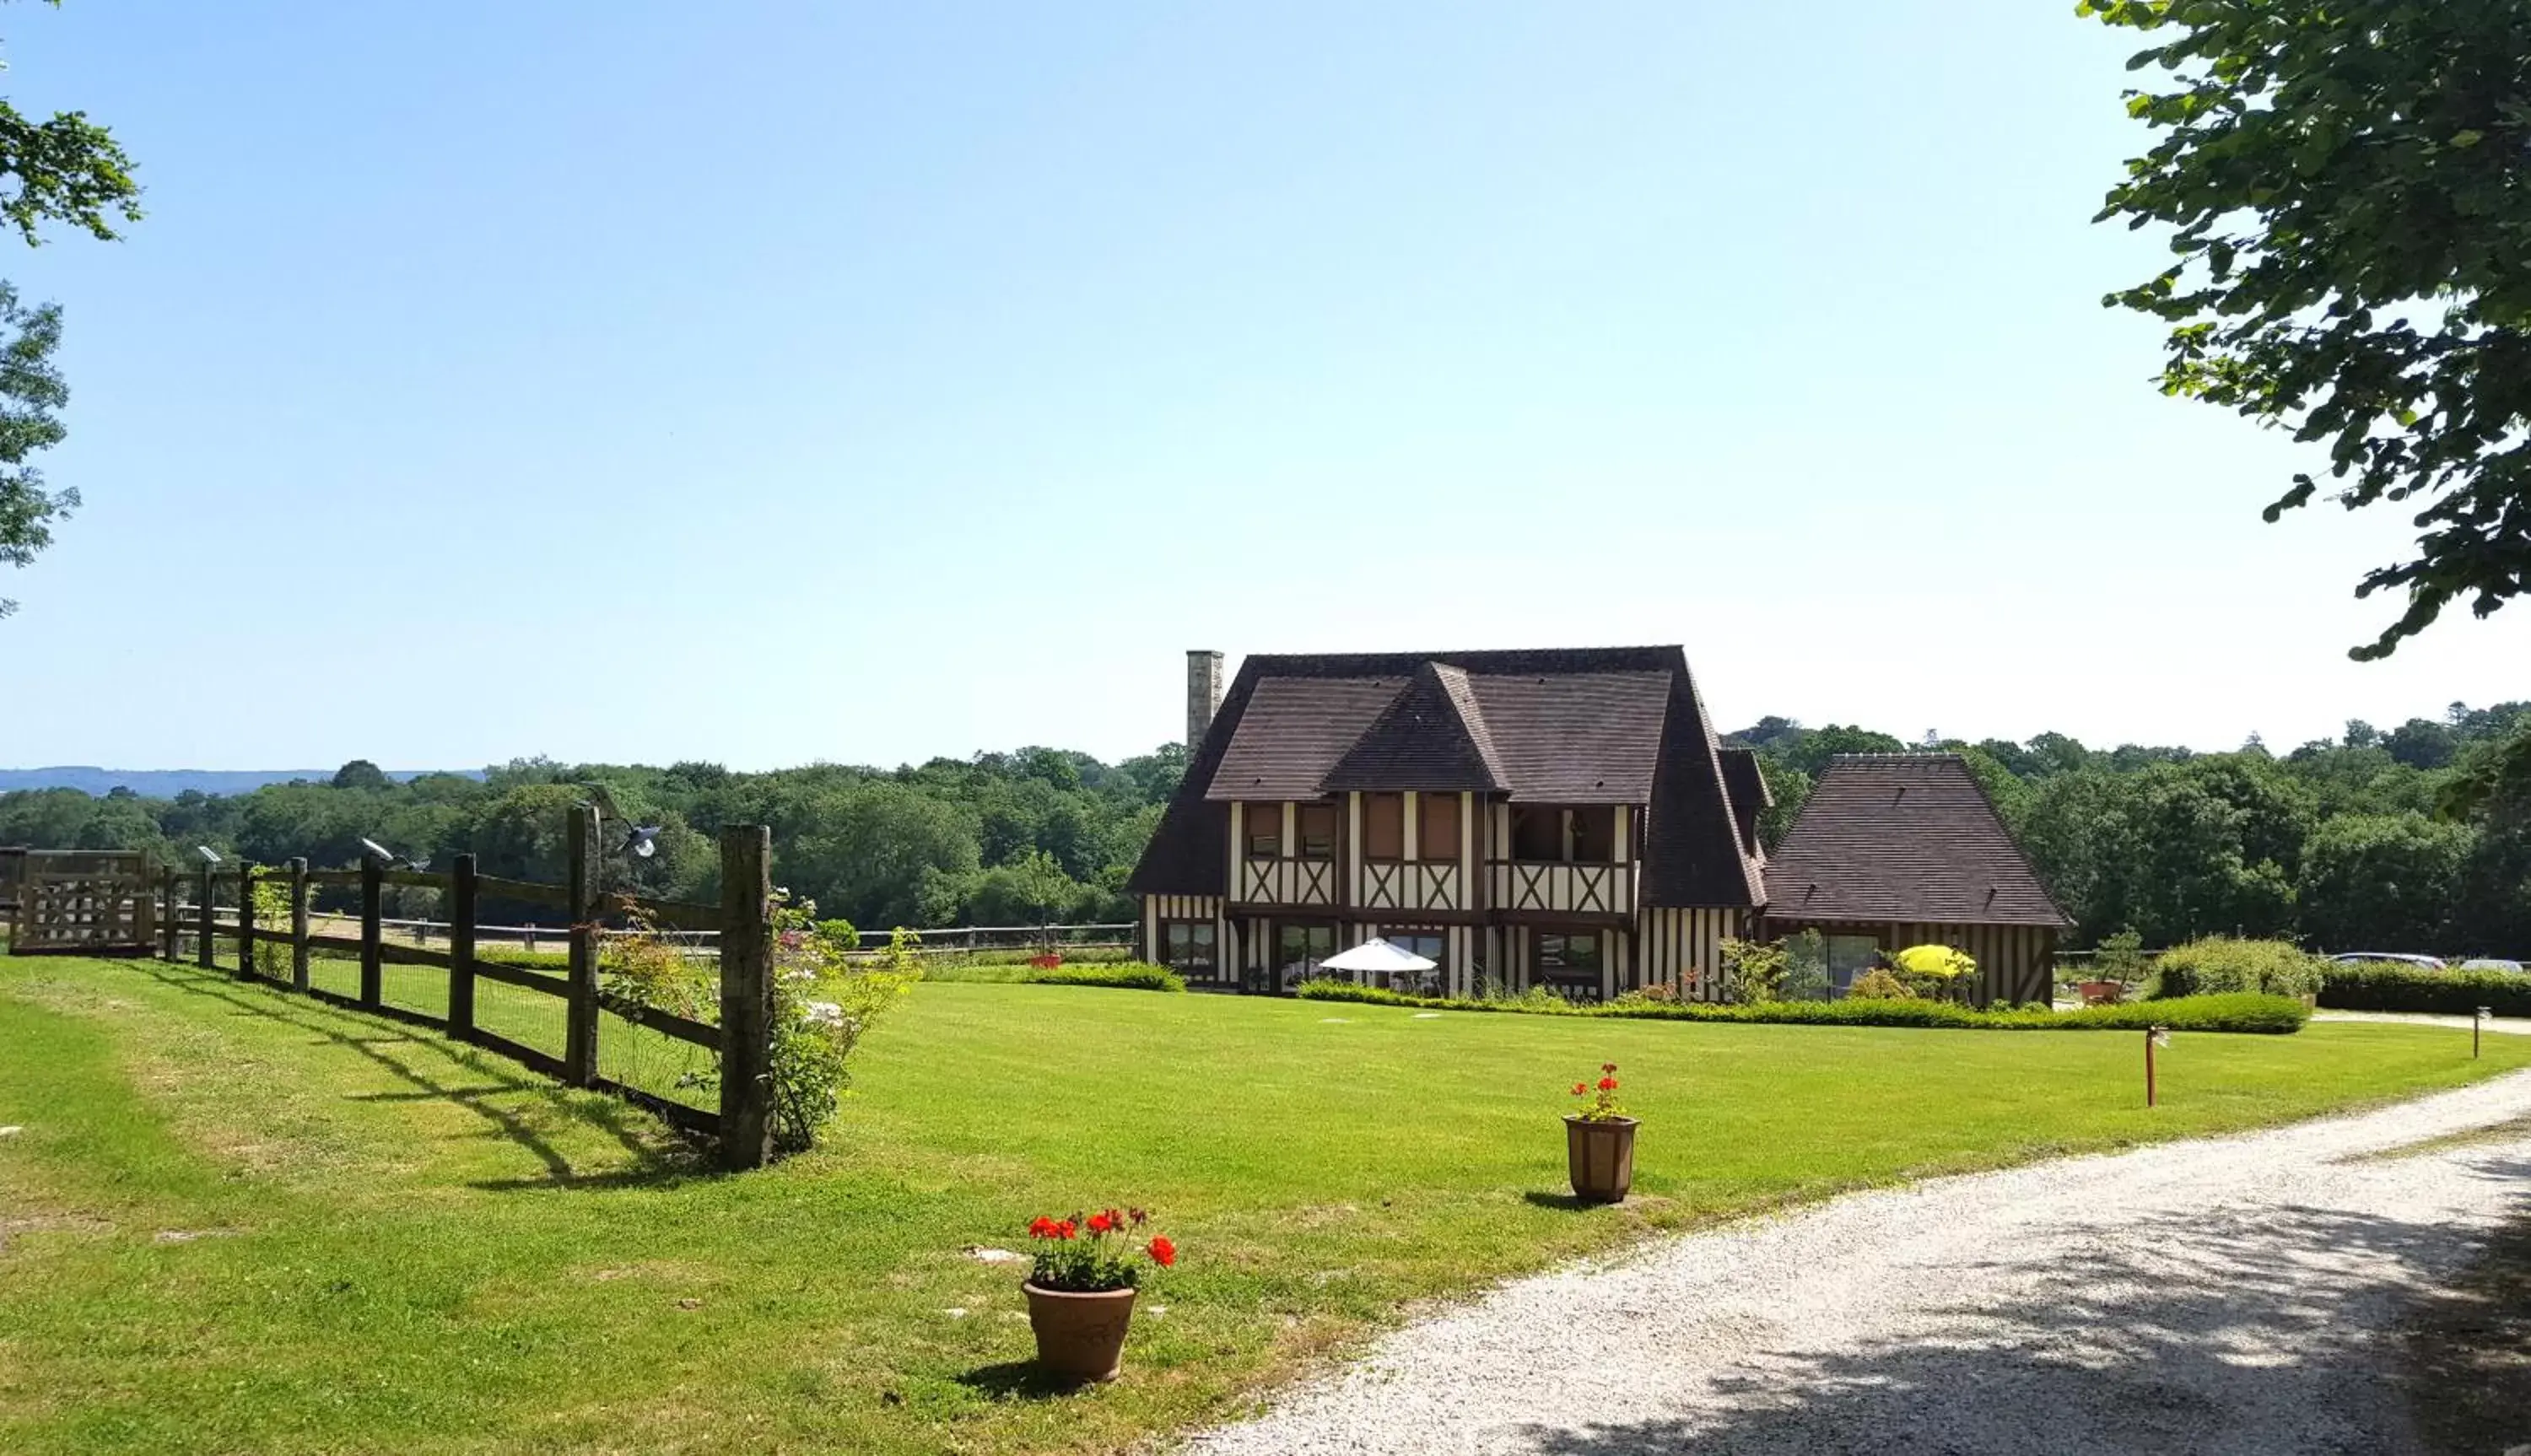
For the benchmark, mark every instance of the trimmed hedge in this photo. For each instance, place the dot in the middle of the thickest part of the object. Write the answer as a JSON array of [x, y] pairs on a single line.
[[2220, 964], [2387, 985], [1130, 976], [2265, 1015]]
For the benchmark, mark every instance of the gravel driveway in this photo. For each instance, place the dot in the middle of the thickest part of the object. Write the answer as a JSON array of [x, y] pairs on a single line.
[[2229, 1295]]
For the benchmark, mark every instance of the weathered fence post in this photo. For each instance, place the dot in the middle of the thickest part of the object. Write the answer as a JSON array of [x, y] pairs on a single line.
[[246, 918], [579, 1038], [167, 926], [203, 921], [299, 924], [461, 948], [746, 996], [373, 961]]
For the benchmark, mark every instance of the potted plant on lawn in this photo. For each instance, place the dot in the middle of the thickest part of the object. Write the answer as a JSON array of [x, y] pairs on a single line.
[[1599, 1142], [1081, 1289]]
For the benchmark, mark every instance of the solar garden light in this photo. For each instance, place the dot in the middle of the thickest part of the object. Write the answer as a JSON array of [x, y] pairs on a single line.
[[2152, 1037], [640, 841], [2477, 1020]]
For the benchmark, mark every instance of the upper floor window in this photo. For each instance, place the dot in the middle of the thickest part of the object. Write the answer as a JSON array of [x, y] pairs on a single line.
[[1436, 835], [1584, 835], [1263, 823], [1595, 834], [1318, 831], [1537, 832], [1384, 827]]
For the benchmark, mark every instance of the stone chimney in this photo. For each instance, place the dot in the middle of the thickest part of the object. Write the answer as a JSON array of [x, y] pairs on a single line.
[[1203, 695]]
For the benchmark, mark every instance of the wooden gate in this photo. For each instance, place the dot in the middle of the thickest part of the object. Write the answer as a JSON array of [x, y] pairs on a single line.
[[85, 902]]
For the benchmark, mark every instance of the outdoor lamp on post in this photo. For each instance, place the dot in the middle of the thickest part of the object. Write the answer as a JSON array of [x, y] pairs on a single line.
[[2477, 1020], [2155, 1036]]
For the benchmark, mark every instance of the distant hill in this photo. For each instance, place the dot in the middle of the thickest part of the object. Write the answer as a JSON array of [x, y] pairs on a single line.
[[167, 783]]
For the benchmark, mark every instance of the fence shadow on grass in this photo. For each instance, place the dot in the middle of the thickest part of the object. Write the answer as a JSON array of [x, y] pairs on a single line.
[[2171, 1344], [489, 1076]]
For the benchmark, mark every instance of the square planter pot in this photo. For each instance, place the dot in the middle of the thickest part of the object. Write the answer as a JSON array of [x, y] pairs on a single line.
[[1601, 1158]]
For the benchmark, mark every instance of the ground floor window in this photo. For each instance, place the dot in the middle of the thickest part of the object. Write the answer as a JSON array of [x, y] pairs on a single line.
[[1299, 947], [1849, 956], [1188, 947], [1431, 945], [1567, 963]]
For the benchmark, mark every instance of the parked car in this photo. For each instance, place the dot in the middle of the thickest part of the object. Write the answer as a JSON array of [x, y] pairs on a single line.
[[2491, 963], [2422, 963]]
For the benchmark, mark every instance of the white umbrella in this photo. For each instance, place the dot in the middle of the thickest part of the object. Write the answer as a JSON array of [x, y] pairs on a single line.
[[1377, 955]]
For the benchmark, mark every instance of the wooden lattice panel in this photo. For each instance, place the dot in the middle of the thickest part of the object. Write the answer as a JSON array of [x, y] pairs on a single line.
[[87, 902]]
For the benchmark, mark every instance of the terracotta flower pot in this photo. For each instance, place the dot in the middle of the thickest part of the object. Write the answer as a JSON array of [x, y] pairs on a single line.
[[1600, 1157], [1080, 1336]]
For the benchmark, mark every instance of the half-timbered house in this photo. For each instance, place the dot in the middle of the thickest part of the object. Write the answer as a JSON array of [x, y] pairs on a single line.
[[1564, 819]]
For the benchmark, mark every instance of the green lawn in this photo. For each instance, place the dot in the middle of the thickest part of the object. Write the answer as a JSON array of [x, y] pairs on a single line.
[[238, 1219]]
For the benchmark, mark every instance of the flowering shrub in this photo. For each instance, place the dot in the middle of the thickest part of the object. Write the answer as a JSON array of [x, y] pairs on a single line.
[[823, 1000], [1602, 1105], [1096, 1253]]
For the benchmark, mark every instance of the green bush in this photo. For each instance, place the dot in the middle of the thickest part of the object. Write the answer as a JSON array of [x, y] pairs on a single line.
[[2387, 985], [1128, 976], [2220, 964], [2225, 1013], [1879, 984]]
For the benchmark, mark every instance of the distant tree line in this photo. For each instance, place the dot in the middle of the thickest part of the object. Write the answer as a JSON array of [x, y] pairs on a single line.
[[1028, 837], [2417, 838]]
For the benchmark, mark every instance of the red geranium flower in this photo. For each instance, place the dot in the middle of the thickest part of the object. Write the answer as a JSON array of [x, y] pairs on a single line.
[[1580, 1090], [1164, 1253], [1066, 1229], [1100, 1223], [1607, 1066], [1607, 1084], [1044, 1228]]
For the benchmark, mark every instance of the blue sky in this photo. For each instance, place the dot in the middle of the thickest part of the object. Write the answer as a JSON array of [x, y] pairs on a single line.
[[777, 383]]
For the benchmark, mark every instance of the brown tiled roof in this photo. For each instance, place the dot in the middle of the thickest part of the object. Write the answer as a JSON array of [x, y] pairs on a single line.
[[1293, 731], [1692, 854], [1611, 725], [1750, 796], [1904, 837], [1433, 736], [1576, 737]]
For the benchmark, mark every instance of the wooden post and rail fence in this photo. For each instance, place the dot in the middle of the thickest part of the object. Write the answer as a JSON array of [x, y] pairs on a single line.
[[742, 920]]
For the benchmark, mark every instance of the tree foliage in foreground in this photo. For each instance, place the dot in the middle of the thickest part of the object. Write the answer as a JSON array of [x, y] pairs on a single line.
[[2347, 185], [64, 169]]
